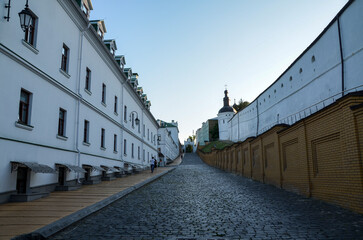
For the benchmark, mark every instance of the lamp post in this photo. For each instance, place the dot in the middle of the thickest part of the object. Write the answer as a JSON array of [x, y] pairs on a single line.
[[25, 16], [137, 120]]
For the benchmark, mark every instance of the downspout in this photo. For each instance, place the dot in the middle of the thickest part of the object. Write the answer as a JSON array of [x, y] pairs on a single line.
[[79, 65], [237, 127], [142, 136], [258, 117], [341, 54], [122, 123]]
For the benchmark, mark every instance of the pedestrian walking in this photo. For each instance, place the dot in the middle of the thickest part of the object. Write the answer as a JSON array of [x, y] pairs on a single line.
[[155, 163], [152, 163]]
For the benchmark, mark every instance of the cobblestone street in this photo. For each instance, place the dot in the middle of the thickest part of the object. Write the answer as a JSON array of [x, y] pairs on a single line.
[[196, 201]]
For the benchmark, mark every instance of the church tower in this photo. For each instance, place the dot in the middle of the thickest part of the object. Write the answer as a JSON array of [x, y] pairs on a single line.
[[224, 115]]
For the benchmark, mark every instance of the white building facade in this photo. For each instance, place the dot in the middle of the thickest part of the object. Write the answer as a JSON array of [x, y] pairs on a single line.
[[168, 141], [328, 69], [224, 115], [73, 113]]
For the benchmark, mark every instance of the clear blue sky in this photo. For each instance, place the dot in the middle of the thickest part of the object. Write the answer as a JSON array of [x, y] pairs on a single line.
[[185, 51]]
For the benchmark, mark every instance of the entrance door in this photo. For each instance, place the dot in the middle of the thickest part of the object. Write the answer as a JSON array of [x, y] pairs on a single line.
[[21, 179], [87, 174], [61, 176]]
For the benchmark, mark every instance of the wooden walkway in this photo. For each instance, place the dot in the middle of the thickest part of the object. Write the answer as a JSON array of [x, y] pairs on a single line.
[[26, 217]]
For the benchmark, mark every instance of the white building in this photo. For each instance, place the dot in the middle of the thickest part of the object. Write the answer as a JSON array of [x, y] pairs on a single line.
[[328, 69], [203, 134], [168, 141], [224, 115], [68, 102]]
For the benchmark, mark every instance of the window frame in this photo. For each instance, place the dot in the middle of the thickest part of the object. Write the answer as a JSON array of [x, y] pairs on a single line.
[[115, 143], [132, 150], [103, 100], [62, 122], [87, 84], [103, 135], [125, 147], [27, 106], [125, 113], [86, 131], [115, 105], [65, 58]]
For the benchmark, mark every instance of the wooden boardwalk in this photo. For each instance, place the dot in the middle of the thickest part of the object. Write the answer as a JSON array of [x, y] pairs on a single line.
[[26, 217]]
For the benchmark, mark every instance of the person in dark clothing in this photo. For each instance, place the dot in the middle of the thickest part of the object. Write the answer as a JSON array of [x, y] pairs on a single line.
[[152, 164]]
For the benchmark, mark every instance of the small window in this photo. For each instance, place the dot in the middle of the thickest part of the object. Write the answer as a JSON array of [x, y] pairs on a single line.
[[115, 143], [300, 70], [282, 85], [143, 130], [313, 58], [24, 107], [62, 122], [85, 10], [275, 91], [65, 56], [125, 142], [132, 150], [86, 132], [125, 113], [102, 138], [143, 155], [115, 105], [148, 134], [104, 93], [87, 84], [30, 32], [290, 78], [132, 120], [138, 152]]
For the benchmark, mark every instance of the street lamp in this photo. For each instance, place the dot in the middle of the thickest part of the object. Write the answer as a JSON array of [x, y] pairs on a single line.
[[26, 16], [137, 120]]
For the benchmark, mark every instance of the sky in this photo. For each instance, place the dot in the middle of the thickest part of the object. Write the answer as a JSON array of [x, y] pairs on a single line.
[[186, 51]]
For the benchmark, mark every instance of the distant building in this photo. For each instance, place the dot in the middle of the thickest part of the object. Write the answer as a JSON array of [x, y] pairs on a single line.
[[203, 134], [168, 141]]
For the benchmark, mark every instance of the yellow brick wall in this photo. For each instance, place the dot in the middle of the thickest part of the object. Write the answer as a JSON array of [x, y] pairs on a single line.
[[320, 156]]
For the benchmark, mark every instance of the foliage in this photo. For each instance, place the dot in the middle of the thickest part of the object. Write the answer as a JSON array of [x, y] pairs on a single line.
[[217, 145], [192, 138], [189, 149], [241, 105], [214, 133]]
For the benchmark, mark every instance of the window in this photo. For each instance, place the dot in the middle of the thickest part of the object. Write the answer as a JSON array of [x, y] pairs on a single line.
[[30, 32], [133, 120], [132, 150], [148, 157], [115, 105], [143, 130], [65, 56], [24, 107], [148, 134], [139, 129], [62, 122], [143, 155], [86, 132], [87, 84], [104, 93], [102, 138], [115, 143], [125, 113], [138, 152], [85, 10], [125, 152]]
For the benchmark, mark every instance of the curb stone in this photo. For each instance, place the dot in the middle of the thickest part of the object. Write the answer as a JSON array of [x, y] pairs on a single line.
[[52, 228]]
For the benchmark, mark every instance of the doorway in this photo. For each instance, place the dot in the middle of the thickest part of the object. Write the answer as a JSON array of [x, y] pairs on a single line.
[[22, 179]]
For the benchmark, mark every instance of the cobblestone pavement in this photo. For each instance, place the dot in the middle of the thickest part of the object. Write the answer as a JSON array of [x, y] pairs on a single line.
[[197, 201]]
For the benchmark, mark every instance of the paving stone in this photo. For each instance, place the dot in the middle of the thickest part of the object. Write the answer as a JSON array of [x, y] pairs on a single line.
[[199, 202]]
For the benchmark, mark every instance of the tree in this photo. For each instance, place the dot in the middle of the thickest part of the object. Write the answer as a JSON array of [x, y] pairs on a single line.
[[192, 138], [241, 105], [214, 133]]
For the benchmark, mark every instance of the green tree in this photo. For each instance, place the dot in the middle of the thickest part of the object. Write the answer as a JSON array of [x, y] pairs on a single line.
[[192, 138], [214, 133], [241, 105]]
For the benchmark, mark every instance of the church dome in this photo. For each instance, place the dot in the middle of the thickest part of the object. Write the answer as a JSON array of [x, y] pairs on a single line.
[[226, 107]]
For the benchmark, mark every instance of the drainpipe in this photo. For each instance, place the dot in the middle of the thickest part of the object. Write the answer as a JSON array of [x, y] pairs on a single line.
[[341, 54], [142, 135], [237, 127], [79, 65], [122, 122], [258, 117]]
